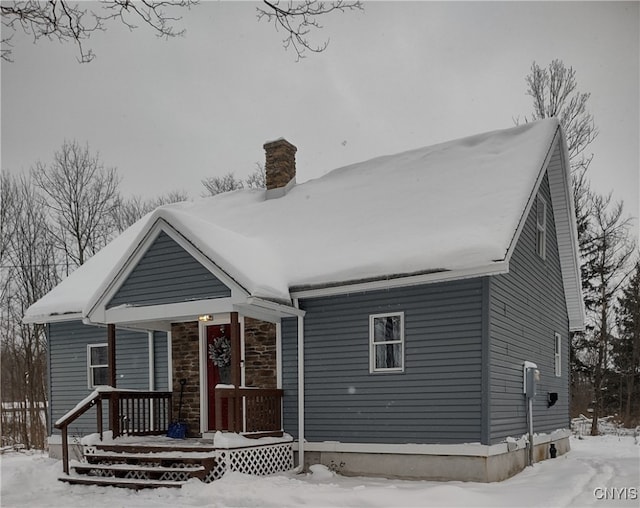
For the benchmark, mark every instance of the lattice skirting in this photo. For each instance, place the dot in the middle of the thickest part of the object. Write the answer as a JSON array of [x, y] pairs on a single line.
[[261, 460]]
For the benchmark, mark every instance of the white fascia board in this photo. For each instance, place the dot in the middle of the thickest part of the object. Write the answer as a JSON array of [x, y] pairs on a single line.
[[97, 308], [182, 311], [497, 268], [571, 275], [52, 318], [279, 309]]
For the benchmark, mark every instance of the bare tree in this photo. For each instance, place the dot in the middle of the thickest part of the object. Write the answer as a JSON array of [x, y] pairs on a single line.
[[31, 271], [81, 195], [555, 94], [68, 21], [228, 182], [257, 179], [606, 253], [73, 22], [299, 19], [130, 210], [219, 184]]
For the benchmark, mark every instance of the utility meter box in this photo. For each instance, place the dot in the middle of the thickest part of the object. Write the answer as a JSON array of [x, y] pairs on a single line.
[[531, 376]]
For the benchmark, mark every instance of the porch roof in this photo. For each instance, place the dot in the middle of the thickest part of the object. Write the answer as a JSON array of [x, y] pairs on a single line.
[[454, 207]]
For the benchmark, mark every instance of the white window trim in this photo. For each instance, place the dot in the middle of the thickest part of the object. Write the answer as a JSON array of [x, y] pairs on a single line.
[[90, 367], [372, 349], [541, 229], [557, 354]]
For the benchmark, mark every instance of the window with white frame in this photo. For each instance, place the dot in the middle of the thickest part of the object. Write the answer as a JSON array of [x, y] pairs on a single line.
[[541, 226], [97, 365], [386, 342], [557, 356]]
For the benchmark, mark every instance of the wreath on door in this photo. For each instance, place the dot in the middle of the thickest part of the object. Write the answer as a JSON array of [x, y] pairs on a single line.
[[220, 352]]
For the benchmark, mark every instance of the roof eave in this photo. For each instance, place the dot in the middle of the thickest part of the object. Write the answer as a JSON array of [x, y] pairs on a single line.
[[397, 280]]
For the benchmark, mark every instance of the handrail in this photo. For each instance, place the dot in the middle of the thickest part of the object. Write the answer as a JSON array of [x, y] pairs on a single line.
[[139, 415], [73, 415]]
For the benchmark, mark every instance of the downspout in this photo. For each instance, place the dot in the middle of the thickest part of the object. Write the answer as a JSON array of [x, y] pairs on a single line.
[[300, 388]]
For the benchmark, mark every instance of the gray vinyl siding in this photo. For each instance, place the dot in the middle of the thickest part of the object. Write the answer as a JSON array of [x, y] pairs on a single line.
[[289, 329], [161, 361], [527, 306], [68, 343], [438, 397], [168, 274]]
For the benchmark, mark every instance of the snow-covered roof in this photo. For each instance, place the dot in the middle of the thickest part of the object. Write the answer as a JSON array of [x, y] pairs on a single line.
[[451, 207]]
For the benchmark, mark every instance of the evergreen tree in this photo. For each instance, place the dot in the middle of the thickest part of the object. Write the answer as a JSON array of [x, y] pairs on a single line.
[[626, 350]]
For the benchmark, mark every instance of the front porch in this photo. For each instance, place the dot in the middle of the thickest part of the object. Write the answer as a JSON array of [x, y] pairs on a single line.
[[158, 461], [225, 397], [136, 453]]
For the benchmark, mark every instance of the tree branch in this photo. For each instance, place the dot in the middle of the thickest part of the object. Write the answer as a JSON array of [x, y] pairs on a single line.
[[72, 23], [299, 19]]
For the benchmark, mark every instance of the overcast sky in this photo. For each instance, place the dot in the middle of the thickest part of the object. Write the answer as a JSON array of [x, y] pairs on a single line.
[[395, 77]]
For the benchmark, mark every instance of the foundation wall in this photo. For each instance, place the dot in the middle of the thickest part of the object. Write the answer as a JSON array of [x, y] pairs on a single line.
[[493, 468]]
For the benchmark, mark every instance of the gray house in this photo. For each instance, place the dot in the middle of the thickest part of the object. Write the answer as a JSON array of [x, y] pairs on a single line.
[[382, 319]]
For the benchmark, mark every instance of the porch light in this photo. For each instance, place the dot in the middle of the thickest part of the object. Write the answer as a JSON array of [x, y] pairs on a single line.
[[205, 317]]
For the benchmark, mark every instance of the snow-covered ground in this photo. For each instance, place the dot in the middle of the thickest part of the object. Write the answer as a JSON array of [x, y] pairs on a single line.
[[599, 471]]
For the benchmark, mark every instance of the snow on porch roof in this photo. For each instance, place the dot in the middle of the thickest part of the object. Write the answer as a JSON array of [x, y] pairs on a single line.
[[452, 206]]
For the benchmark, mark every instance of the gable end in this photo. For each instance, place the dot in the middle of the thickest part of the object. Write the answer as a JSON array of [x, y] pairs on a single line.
[[167, 273]]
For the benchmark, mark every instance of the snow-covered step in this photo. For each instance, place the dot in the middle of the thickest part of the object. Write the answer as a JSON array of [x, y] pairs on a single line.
[[130, 483], [85, 466], [142, 466], [159, 455]]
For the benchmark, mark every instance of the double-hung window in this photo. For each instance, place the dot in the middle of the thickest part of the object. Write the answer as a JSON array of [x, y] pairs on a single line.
[[541, 226], [386, 342], [557, 354], [97, 365]]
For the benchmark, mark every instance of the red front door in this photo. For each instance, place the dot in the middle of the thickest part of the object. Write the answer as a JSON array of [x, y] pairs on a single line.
[[218, 368]]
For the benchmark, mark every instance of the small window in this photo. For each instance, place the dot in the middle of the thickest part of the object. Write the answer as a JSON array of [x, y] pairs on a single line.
[[97, 365], [557, 360], [541, 227], [386, 342]]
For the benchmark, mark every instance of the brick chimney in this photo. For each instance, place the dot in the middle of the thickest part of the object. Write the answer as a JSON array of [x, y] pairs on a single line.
[[280, 167]]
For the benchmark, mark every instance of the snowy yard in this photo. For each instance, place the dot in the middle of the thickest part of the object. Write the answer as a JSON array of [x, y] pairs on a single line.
[[599, 471]]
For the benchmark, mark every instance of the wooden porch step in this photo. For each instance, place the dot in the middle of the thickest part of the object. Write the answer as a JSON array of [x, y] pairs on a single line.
[[136, 448], [151, 456], [84, 466], [120, 482]]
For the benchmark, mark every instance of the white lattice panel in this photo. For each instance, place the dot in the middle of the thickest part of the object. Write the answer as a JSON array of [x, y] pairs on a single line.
[[220, 467], [260, 461]]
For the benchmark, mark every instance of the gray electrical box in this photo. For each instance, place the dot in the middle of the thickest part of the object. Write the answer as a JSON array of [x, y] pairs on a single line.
[[531, 376]]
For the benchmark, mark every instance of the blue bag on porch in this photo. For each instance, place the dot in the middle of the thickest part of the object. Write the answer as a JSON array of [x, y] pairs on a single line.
[[178, 429]]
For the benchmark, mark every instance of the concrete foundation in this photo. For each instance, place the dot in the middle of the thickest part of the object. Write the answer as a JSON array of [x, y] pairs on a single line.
[[420, 466], [54, 445]]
